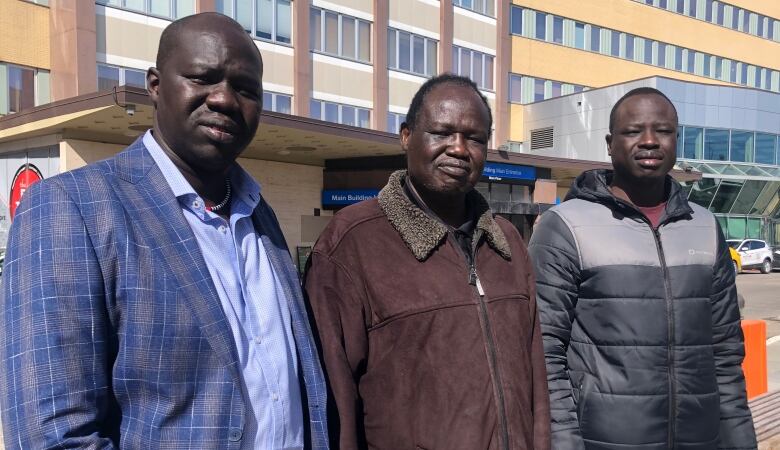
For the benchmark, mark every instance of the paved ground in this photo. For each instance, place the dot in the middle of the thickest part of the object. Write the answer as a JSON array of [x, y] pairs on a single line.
[[762, 301]]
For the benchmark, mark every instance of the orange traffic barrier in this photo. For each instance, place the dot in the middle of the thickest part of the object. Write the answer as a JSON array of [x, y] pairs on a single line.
[[754, 364]]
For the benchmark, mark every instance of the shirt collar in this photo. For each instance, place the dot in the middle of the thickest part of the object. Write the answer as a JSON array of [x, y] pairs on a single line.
[[243, 185]]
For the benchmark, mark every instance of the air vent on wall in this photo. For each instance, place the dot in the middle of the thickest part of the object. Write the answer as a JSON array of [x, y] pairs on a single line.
[[541, 138]]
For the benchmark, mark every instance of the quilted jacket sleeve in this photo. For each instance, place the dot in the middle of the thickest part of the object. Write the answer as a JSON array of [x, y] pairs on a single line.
[[556, 261], [338, 317], [54, 370], [736, 422]]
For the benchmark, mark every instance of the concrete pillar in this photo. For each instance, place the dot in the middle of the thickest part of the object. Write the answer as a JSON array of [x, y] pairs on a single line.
[[73, 48]]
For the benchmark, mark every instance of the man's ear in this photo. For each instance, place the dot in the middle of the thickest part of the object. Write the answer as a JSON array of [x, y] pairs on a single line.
[[608, 138], [403, 137], [153, 84]]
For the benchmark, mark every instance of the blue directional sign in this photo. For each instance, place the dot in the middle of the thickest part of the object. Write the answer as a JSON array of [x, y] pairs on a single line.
[[347, 197], [500, 171]]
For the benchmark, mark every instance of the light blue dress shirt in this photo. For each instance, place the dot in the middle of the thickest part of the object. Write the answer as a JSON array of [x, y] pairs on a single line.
[[253, 302]]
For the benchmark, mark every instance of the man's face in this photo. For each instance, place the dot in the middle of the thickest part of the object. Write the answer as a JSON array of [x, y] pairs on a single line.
[[643, 145], [446, 151], [208, 96]]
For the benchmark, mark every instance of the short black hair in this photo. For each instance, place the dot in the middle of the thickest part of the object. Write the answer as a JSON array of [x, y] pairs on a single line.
[[170, 35], [427, 87], [634, 92]]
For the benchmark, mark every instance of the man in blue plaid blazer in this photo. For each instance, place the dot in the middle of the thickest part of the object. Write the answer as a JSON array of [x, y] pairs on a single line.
[[149, 299]]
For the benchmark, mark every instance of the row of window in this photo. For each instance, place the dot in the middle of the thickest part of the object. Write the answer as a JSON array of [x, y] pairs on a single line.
[[264, 19], [473, 64], [524, 89], [168, 9], [340, 35], [411, 52], [339, 113], [716, 144], [486, 7], [723, 14], [394, 121], [109, 77], [735, 196], [551, 28], [22, 88]]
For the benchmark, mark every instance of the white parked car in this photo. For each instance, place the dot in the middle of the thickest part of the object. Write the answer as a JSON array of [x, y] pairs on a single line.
[[755, 254]]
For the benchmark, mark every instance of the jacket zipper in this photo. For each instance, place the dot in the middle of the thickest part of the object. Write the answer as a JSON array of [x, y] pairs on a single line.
[[670, 345], [488, 334]]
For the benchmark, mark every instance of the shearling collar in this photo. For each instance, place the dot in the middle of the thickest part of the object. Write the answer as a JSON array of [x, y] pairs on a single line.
[[421, 233]]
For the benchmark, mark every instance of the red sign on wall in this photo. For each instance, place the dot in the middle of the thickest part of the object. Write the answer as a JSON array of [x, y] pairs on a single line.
[[26, 176]]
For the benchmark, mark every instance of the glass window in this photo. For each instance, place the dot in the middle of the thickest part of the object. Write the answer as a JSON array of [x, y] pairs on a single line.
[[716, 145], [726, 195], [283, 104], [538, 90], [364, 118], [315, 109], [648, 51], [629, 47], [516, 20], [404, 50], [331, 112], [661, 54], [747, 197], [595, 38], [264, 19], [476, 68], [21, 88], [742, 146], [579, 35], [558, 30], [348, 42], [615, 50], [418, 54], [465, 63], [541, 25], [680, 7], [692, 8], [678, 58], [409, 46], [556, 89], [394, 121], [136, 78], [515, 88], [160, 8], [315, 32], [331, 26], [765, 148], [364, 42], [703, 191], [348, 115], [432, 58], [108, 77], [693, 143], [488, 72]]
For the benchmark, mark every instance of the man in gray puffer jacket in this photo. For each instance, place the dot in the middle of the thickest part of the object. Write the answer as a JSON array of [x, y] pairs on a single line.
[[638, 304]]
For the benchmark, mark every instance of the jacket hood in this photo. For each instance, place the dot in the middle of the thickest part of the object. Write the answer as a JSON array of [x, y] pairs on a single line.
[[593, 186], [421, 233]]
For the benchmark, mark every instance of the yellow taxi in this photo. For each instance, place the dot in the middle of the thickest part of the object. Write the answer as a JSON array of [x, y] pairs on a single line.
[[736, 260]]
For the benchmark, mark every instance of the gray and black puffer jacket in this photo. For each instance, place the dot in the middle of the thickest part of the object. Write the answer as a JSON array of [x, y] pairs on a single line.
[[641, 327]]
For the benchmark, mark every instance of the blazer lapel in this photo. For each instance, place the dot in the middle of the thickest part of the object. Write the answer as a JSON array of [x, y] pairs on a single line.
[[150, 201]]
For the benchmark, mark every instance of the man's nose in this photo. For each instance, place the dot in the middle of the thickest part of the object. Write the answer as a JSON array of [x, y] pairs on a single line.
[[458, 145], [222, 98], [649, 139]]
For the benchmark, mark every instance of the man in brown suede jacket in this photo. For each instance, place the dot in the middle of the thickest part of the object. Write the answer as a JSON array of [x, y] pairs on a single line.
[[424, 301]]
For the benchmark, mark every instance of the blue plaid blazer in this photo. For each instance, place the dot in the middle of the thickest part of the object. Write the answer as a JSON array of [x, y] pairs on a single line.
[[113, 335]]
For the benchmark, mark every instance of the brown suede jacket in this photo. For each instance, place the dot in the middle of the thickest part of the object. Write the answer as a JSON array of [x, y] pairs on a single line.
[[422, 351]]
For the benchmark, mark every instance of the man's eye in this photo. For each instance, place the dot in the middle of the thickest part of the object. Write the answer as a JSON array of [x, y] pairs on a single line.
[[478, 139]]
